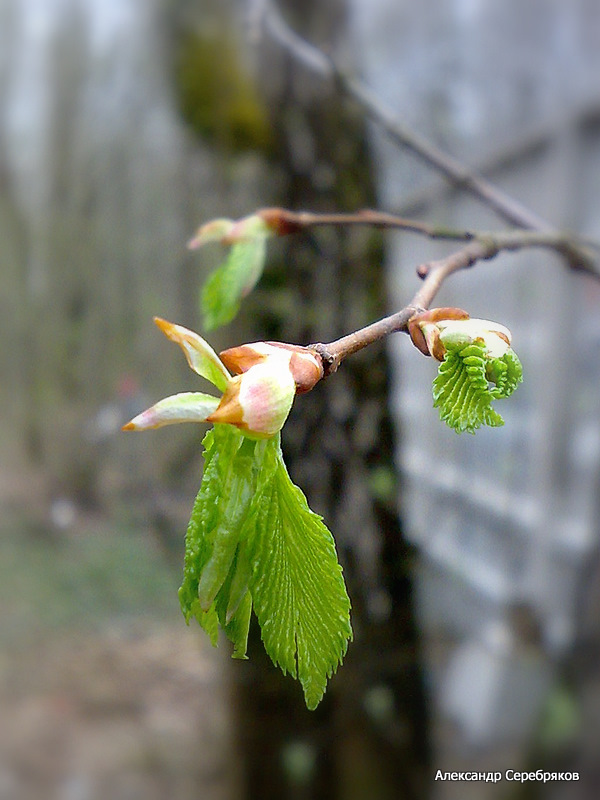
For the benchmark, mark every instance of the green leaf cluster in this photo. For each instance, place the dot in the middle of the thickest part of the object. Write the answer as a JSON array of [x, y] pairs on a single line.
[[467, 382], [253, 542]]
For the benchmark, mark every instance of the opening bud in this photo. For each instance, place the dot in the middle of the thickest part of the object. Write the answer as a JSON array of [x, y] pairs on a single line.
[[258, 400], [497, 337], [434, 331], [424, 329], [303, 363]]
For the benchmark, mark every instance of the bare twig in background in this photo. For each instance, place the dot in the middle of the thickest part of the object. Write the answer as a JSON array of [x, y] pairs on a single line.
[[534, 141], [285, 221], [454, 170]]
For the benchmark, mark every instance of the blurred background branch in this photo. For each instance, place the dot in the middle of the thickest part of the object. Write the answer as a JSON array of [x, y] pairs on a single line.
[[509, 209]]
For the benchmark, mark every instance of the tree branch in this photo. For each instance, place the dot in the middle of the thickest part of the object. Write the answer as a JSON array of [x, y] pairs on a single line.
[[567, 245], [511, 210], [454, 170], [434, 273], [482, 247]]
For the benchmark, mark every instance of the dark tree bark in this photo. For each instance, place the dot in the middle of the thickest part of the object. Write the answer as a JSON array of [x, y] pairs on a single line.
[[369, 736]]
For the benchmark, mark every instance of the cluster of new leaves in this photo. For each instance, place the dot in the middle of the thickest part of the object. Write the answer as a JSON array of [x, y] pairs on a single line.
[[469, 379], [252, 541]]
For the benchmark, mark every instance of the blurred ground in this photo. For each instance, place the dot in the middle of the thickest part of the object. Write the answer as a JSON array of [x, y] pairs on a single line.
[[104, 691]]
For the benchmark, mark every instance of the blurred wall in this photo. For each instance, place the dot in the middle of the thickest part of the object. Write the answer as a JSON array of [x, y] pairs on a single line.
[[505, 521]]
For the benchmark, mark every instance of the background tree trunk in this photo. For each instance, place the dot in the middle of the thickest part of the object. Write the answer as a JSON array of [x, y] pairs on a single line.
[[369, 736]]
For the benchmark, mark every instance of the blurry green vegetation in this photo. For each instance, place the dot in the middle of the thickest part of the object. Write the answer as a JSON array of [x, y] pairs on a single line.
[[217, 96], [94, 574]]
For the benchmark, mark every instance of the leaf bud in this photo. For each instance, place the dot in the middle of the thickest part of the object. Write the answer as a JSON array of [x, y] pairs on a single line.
[[424, 329], [497, 337], [304, 364], [435, 331], [258, 400]]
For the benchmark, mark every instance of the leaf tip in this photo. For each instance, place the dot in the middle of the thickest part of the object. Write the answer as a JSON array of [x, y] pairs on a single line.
[[165, 326]]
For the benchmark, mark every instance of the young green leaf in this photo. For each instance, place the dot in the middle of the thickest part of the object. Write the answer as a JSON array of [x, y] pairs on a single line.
[[253, 541], [224, 516], [462, 389], [212, 537], [234, 604], [196, 552], [297, 587], [232, 281]]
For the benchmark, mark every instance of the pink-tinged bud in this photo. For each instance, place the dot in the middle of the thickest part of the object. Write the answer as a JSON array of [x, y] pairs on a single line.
[[184, 407], [199, 354], [304, 364], [259, 400]]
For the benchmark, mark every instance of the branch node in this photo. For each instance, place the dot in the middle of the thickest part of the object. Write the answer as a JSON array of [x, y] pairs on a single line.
[[413, 310], [329, 361]]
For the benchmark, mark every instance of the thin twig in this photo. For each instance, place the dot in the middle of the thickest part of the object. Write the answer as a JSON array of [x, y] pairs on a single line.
[[578, 256], [536, 139], [285, 222], [481, 248], [509, 209], [434, 273]]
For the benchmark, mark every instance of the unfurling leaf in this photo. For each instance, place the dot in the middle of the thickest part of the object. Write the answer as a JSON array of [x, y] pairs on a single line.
[[469, 379], [253, 541], [199, 354], [232, 281]]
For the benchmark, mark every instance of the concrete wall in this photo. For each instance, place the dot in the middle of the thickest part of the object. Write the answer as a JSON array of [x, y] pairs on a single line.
[[505, 521]]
